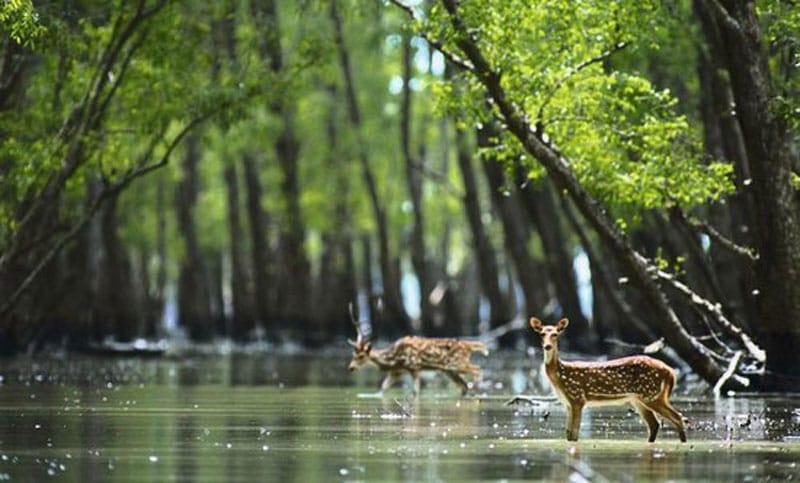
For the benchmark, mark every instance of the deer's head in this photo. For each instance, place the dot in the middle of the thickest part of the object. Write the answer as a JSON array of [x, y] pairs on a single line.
[[549, 335], [361, 346]]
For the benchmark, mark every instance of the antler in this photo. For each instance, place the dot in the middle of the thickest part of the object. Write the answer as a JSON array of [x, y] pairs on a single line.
[[360, 336]]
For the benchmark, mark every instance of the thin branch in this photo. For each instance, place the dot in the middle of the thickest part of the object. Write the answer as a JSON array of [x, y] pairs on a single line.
[[715, 310], [455, 59], [724, 242], [729, 372], [573, 71]]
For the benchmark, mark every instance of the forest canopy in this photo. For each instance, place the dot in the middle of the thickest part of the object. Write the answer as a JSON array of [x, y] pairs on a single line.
[[248, 169]]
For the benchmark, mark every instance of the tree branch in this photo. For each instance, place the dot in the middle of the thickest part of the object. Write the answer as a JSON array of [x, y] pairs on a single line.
[[715, 309], [730, 245], [455, 59]]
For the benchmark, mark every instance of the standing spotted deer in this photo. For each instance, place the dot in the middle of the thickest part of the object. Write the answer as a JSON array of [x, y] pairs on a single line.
[[417, 354], [642, 381]]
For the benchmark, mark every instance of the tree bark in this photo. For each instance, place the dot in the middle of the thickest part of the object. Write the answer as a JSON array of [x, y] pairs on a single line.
[[116, 302], [777, 204], [541, 208], [194, 309], [259, 220], [243, 319], [500, 310]]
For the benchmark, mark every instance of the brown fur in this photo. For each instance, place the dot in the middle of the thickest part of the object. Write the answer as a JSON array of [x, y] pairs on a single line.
[[642, 381], [416, 354]]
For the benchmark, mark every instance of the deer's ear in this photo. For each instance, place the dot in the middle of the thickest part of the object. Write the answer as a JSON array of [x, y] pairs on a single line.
[[536, 325], [367, 346], [352, 343], [562, 324]]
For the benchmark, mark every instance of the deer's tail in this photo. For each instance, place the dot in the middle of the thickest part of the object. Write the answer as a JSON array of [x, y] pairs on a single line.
[[479, 347]]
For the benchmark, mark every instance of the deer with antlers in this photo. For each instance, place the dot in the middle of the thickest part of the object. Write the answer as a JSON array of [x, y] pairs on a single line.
[[642, 381], [417, 354]]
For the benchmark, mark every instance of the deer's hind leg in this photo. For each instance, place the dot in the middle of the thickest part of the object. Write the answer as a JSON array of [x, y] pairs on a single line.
[[664, 408], [417, 382], [456, 377], [649, 418]]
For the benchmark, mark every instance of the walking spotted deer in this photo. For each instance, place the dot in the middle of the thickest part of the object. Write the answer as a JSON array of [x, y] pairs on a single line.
[[642, 381], [417, 354]]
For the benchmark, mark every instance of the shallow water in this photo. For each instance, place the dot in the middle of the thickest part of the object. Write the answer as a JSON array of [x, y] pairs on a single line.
[[305, 418]]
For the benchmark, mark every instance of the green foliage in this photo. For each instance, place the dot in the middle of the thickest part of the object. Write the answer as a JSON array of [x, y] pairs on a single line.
[[624, 137], [20, 21]]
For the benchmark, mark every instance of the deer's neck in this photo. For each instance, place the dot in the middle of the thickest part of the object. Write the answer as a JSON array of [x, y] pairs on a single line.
[[553, 365], [382, 358]]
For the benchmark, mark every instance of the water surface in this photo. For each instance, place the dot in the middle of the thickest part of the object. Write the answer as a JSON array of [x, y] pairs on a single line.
[[246, 417]]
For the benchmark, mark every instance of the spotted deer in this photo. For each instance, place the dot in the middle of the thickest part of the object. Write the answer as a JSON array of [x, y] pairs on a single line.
[[417, 354], [642, 381]]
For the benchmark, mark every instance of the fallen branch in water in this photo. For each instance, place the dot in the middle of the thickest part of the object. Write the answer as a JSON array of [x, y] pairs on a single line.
[[729, 372]]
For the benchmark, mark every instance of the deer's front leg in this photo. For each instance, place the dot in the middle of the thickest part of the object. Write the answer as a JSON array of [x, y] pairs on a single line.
[[574, 413], [390, 379], [417, 382]]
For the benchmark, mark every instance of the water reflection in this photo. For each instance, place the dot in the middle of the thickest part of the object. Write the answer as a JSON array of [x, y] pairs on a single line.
[[244, 417]]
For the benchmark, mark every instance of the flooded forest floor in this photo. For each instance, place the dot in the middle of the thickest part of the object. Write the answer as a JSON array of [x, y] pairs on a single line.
[[268, 417]]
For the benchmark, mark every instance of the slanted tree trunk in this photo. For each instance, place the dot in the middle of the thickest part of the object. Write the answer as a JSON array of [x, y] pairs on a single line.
[[777, 204], [488, 270], [637, 267], [194, 309], [393, 311]]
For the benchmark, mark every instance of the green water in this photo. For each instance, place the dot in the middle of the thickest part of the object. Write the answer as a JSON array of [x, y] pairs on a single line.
[[303, 418]]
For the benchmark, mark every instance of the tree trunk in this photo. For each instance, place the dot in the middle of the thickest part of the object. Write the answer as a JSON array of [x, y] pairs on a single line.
[[506, 203], [116, 302], [243, 319], [258, 220], [194, 309], [541, 208], [337, 278], [488, 270], [393, 310], [294, 267], [414, 183], [777, 204]]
